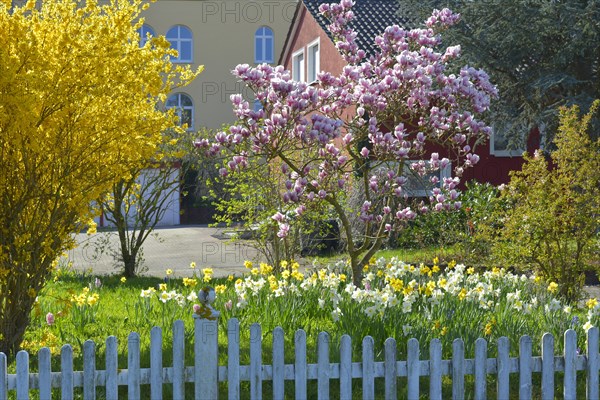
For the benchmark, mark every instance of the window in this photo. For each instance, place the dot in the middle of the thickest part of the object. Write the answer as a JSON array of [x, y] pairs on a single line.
[[313, 64], [184, 109], [145, 32], [257, 106], [298, 66], [499, 143], [416, 185], [263, 45], [181, 40]]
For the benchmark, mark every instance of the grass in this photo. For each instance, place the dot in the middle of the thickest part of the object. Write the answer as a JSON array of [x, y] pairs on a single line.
[[308, 302]]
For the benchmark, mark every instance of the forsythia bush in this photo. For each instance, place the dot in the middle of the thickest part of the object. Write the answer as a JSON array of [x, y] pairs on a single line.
[[78, 108]]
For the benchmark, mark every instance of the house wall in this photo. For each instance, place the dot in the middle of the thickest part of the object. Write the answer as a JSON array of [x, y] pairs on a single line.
[[223, 34], [171, 204], [491, 168], [309, 30]]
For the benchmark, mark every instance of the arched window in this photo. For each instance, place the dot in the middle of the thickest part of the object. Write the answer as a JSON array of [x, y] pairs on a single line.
[[145, 32], [181, 40], [263, 45], [184, 108]]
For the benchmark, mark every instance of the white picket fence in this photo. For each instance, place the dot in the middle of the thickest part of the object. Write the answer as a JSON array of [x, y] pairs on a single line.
[[206, 374]]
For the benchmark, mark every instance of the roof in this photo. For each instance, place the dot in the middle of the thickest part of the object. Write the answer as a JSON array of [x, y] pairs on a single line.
[[371, 17]]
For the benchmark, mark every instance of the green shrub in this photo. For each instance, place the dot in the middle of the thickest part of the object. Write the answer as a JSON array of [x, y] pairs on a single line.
[[552, 224]]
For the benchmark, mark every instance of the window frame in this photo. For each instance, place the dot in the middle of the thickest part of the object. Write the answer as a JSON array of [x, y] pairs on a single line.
[[317, 62], [179, 109], [176, 43], [143, 35], [503, 153], [264, 38], [445, 172], [300, 70]]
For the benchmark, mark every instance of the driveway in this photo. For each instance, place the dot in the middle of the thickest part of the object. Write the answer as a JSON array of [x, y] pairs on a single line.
[[173, 247]]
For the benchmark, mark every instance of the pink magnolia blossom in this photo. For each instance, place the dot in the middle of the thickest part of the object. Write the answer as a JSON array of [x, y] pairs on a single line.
[[389, 107]]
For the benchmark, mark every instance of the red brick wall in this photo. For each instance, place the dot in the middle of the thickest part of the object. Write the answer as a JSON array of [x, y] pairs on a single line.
[[308, 31]]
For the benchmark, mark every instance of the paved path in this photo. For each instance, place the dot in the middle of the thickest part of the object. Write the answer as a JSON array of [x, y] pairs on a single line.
[[174, 248]]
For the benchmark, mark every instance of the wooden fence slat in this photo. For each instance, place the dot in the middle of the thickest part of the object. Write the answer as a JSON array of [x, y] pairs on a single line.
[[255, 362], [66, 372], [112, 366], [592, 364], [480, 369], [3, 377], [413, 366], [45, 373], [206, 360], [133, 366], [346, 367], [570, 354], [391, 372], [547, 367], [458, 369], [503, 368], [300, 373], [525, 367], [89, 370], [22, 375], [323, 372], [178, 360], [233, 359], [435, 369], [156, 363], [368, 366], [389, 369]]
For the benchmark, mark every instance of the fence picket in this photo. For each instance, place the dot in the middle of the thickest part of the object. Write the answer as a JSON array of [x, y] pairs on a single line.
[[503, 368], [592, 364], [300, 368], [570, 354], [547, 367], [206, 345], [89, 370], [413, 365], [22, 375], [480, 369], [233, 358], [156, 364], [323, 374], [66, 372], [255, 362], [525, 367], [346, 367], [112, 366], [45, 373], [178, 360], [458, 369], [3, 377], [206, 359], [435, 369], [368, 366], [133, 366], [391, 370]]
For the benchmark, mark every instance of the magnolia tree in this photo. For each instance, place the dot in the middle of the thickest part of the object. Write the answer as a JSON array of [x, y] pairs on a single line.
[[377, 122]]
